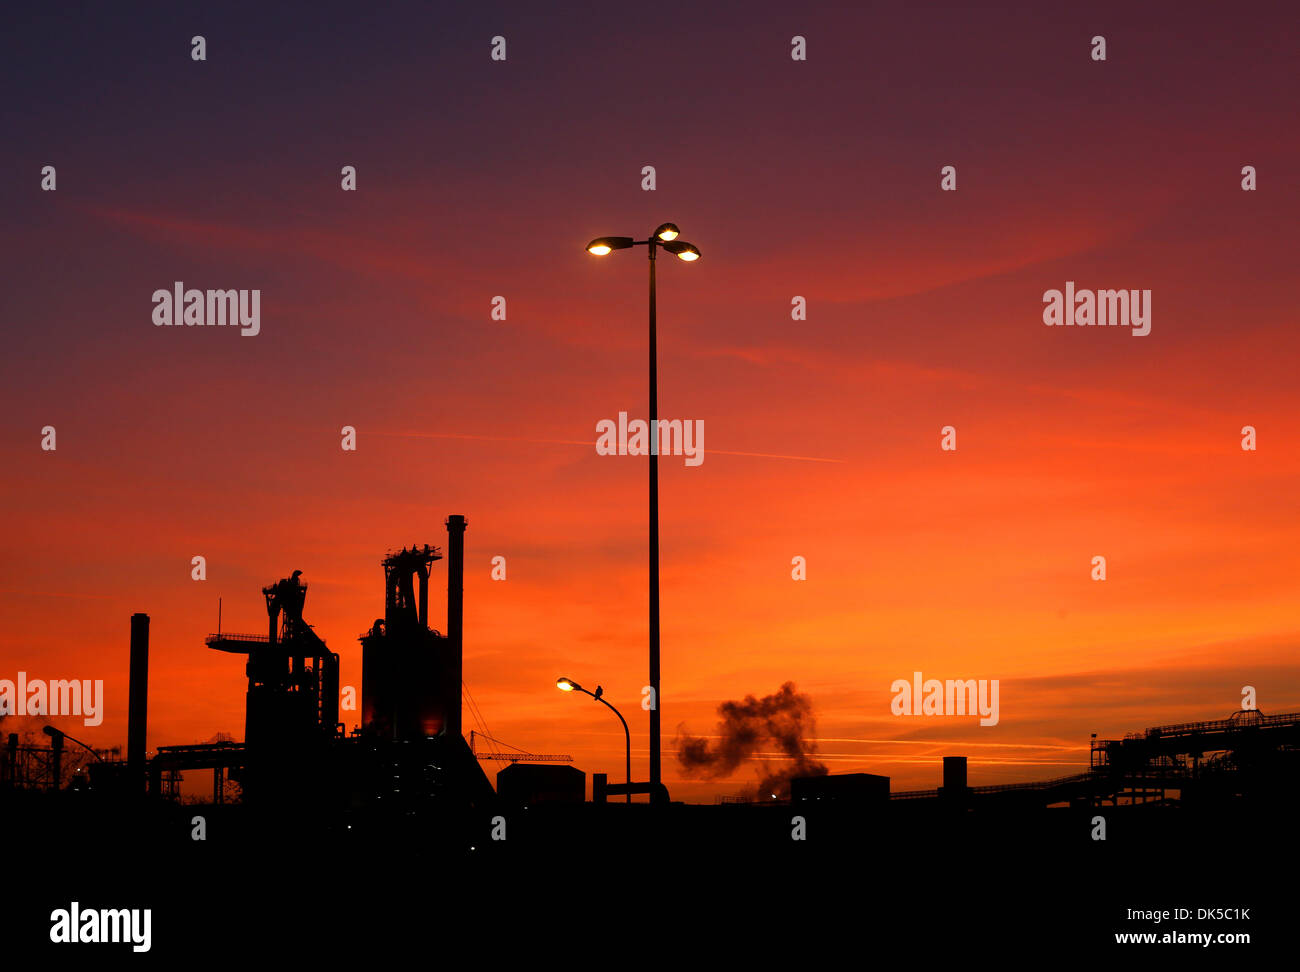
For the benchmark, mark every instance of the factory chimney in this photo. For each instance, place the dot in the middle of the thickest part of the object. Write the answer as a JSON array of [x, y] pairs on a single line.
[[138, 701], [455, 619]]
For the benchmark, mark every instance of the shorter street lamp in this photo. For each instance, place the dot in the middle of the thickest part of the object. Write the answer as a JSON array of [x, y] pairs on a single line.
[[59, 733], [569, 685], [56, 752]]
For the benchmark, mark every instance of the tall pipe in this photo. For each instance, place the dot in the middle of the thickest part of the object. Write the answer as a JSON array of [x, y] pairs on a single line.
[[329, 691], [423, 572], [56, 761], [138, 701], [11, 760], [455, 618], [410, 612]]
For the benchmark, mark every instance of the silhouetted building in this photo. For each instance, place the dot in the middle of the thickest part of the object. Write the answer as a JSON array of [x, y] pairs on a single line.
[[408, 755], [844, 787], [411, 673], [293, 679], [954, 775], [524, 783]]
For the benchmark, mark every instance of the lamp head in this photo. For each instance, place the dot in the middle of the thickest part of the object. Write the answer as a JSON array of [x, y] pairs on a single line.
[[566, 684], [666, 232], [603, 244], [685, 251]]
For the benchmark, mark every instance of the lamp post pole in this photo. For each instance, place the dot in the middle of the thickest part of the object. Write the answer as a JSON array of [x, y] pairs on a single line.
[[627, 739], [656, 701]]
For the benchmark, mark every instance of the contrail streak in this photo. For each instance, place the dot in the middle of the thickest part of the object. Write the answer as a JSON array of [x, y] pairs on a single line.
[[55, 594], [592, 443]]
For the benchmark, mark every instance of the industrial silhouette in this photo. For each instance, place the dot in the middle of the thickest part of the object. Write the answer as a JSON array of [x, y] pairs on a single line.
[[408, 773], [405, 795]]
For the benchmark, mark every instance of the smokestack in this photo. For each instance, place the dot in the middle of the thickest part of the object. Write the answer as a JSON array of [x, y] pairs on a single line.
[[138, 702], [455, 617]]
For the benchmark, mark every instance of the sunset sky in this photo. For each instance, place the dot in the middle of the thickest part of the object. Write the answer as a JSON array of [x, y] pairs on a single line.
[[479, 178]]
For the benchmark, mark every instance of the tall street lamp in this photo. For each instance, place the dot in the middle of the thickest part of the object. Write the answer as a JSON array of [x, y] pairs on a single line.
[[569, 685], [665, 236]]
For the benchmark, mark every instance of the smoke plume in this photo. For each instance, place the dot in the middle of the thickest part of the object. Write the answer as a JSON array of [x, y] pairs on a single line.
[[782, 721]]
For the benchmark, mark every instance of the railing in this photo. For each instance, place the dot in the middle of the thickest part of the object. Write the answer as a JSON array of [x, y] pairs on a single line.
[[232, 636], [1000, 787], [201, 747], [1218, 725], [1097, 774], [1035, 784]]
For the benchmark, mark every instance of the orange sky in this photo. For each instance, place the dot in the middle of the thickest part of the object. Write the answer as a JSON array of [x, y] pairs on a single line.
[[924, 310]]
